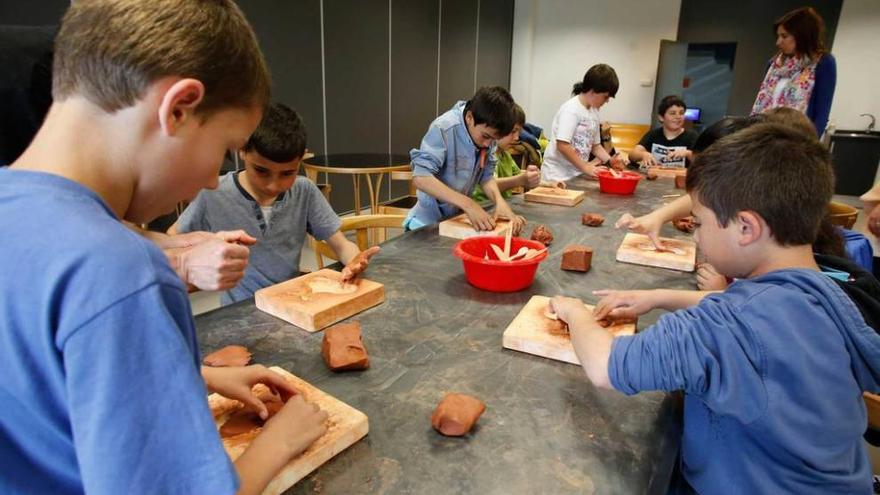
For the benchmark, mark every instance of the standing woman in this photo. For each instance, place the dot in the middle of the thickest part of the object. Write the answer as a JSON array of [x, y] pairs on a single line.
[[802, 75]]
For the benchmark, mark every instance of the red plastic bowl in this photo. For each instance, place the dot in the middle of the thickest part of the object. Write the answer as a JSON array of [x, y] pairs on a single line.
[[495, 275], [625, 184]]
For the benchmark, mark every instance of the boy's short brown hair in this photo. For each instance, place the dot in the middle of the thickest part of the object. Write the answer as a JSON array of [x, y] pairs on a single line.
[[792, 118], [110, 51], [775, 171]]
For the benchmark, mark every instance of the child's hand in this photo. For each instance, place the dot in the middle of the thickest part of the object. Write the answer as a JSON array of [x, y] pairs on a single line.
[[237, 237], [532, 177], [648, 225], [358, 264], [678, 154], [297, 425], [213, 264], [237, 382], [622, 303], [874, 221], [568, 308], [479, 218], [516, 222], [617, 162], [709, 279], [649, 161]]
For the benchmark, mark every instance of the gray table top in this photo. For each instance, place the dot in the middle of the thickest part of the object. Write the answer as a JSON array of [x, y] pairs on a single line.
[[546, 428]]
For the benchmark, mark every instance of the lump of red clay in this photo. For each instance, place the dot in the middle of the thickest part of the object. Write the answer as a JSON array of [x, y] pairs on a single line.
[[543, 235], [652, 175], [231, 355], [577, 258], [680, 181], [246, 421], [592, 219], [685, 224], [343, 348], [456, 414]]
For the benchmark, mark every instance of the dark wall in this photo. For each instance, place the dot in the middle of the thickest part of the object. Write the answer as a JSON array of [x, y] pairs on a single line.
[[373, 85], [39, 13], [380, 86], [749, 23]]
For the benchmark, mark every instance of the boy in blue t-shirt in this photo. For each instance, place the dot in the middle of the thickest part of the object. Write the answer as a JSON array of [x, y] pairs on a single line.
[[456, 154], [773, 369], [274, 205], [102, 390]]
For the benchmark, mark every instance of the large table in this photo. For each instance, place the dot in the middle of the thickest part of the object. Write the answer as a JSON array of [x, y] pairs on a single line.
[[546, 429]]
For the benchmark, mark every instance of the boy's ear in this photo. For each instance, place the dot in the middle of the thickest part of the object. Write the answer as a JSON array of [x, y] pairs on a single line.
[[750, 227], [241, 154], [179, 103]]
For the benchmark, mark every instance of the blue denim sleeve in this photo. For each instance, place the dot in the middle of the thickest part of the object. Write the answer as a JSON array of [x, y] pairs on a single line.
[[491, 163], [707, 351], [430, 157]]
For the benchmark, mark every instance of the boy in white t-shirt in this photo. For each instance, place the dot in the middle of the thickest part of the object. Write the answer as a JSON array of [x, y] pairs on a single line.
[[576, 129]]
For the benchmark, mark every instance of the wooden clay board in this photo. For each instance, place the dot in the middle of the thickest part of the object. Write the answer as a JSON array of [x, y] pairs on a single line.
[[668, 172], [460, 227], [531, 332], [292, 302], [630, 251], [554, 196], [345, 426]]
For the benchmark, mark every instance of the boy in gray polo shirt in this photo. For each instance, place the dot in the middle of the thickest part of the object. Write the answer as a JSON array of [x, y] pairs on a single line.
[[271, 203]]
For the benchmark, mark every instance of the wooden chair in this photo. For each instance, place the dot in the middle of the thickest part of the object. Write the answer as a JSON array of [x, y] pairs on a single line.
[[361, 224], [842, 215], [402, 205], [625, 137]]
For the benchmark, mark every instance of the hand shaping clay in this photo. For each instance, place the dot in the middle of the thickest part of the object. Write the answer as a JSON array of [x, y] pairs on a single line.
[[246, 421], [685, 224], [651, 175], [608, 321], [343, 348], [592, 219], [231, 355], [456, 414], [542, 234], [577, 258], [680, 181], [557, 326]]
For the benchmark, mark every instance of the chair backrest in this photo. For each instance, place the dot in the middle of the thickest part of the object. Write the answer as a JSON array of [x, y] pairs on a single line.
[[842, 214], [361, 224], [406, 175], [626, 136]]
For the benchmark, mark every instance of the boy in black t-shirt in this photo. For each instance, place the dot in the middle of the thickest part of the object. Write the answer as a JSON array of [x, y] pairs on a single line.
[[670, 144]]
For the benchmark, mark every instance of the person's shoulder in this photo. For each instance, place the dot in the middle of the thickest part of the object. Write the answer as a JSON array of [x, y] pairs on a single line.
[[303, 186], [450, 118], [826, 61]]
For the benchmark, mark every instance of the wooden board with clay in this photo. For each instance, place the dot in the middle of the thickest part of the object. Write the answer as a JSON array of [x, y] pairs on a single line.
[[460, 227], [532, 332], [345, 426], [319, 299], [677, 255], [554, 196]]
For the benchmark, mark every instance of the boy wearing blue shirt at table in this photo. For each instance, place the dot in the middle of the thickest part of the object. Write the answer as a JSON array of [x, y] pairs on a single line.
[[102, 390], [456, 154], [773, 369], [273, 204]]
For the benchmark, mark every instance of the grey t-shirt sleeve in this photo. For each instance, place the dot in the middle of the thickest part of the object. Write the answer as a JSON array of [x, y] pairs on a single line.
[[322, 222], [194, 217]]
